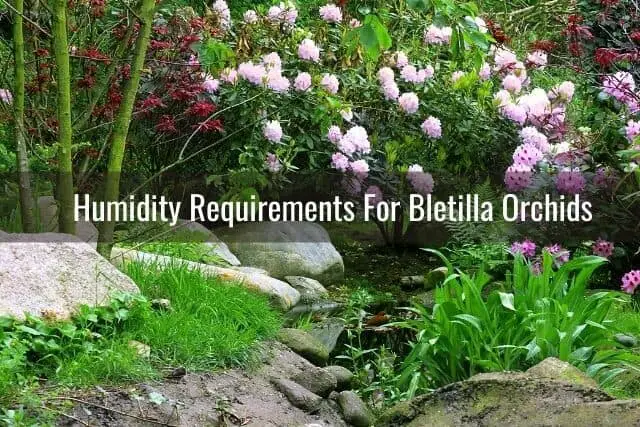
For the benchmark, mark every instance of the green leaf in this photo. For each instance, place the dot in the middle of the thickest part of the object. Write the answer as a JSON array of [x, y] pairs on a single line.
[[507, 300], [419, 4], [374, 37], [29, 330]]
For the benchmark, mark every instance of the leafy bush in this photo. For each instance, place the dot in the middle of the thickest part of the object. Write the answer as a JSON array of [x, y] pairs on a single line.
[[520, 322]]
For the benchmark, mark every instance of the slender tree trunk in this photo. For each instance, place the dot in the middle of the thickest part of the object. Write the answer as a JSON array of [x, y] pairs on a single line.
[[63, 76], [24, 181], [121, 125]]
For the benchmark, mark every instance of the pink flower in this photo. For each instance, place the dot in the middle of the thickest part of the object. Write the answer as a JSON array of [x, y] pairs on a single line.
[[309, 51], [531, 135], [631, 281], [560, 255], [272, 61], [277, 82], [421, 181], [210, 85], [605, 179], [360, 169], [409, 102], [527, 154], [255, 74], [409, 73], [391, 91], [340, 162], [330, 83], [632, 130], [432, 127], [515, 113], [272, 163], [346, 146], [273, 131], [564, 91], [386, 75], [303, 82], [331, 13], [354, 23], [250, 17], [526, 248], [358, 138], [502, 98], [334, 134], [5, 96], [485, 72], [426, 73], [401, 59], [504, 59], [375, 193], [537, 59], [518, 177], [512, 83], [436, 35], [570, 181], [229, 75], [620, 85], [603, 248], [221, 9], [456, 75]]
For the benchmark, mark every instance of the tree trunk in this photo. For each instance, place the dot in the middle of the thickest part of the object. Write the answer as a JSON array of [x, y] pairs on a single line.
[[121, 126], [63, 76], [24, 180]]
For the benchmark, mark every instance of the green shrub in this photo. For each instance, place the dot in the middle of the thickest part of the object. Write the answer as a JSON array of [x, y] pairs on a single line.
[[525, 319]]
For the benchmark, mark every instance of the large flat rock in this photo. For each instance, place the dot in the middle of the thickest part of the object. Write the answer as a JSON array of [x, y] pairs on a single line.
[[53, 274], [286, 249]]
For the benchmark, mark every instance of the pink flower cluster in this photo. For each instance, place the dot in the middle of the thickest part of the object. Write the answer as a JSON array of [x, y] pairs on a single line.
[[525, 248], [632, 130], [267, 73], [302, 82], [272, 163], [411, 74], [570, 181], [284, 13], [409, 102], [631, 281], [602, 248], [355, 142], [250, 17], [308, 51], [273, 131], [5, 96], [560, 255], [221, 9], [330, 83], [432, 127], [437, 35], [420, 180], [622, 87], [331, 13]]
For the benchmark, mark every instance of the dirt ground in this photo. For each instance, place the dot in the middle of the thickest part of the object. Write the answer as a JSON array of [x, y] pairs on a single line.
[[229, 398]]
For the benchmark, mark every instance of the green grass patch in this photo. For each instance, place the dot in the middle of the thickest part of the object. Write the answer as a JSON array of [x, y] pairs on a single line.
[[211, 324]]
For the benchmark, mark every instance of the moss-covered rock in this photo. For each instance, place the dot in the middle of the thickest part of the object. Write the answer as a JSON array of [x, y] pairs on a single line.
[[519, 399], [305, 345], [556, 369]]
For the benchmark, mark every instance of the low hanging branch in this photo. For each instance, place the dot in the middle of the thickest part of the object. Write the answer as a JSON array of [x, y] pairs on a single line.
[[121, 126], [24, 181], [64, 189]]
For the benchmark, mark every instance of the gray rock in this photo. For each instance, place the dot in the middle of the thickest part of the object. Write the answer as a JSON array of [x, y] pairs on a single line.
[[316, 380], [282, 295], [48, 213], [286, 249], [626, 340], [519, 399], [554, 368], [354, 410], [218, 248], [54, 275], [343, 376], [304, 344], [299, 396], [310, 289], [328, 332]]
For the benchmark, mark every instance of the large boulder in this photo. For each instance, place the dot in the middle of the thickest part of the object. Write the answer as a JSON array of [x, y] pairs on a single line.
[[304, 344], [53, 274], [48, 213], [286, 249], [556, 369], [282, 295], [521, 399], [218, 249]]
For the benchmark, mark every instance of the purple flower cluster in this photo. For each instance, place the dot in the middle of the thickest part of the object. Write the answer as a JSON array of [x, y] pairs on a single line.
[[602, 248], [631, 281]]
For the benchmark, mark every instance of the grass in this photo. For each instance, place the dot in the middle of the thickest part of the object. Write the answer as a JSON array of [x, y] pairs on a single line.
[[211, 324]]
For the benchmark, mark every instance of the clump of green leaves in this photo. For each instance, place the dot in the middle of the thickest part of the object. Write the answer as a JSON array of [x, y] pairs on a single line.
[[525, 319]]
